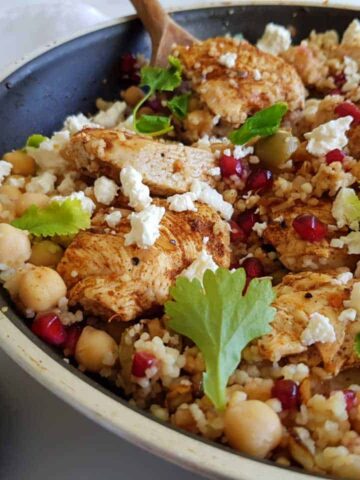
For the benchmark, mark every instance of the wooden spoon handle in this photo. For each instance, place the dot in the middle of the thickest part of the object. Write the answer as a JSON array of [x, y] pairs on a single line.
[[153, 16]]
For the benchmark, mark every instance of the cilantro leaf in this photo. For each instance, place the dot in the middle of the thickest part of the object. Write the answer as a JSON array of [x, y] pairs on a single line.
[[65, 218], [162, 79], [357, 344], [221, 321], [35, 140], [263, 124], [154, 124], [179, 105]]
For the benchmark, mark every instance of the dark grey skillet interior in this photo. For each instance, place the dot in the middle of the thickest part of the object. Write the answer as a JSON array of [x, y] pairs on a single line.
[[67, 80]]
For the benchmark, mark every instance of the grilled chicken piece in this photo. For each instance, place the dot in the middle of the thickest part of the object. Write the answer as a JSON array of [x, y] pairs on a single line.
[[298, 254], [297, 297], [126, 281], [166, 168], [233, 92]]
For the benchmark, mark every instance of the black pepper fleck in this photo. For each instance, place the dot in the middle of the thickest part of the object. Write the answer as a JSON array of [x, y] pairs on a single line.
[[308, 295], [135, 261], [283, 224]]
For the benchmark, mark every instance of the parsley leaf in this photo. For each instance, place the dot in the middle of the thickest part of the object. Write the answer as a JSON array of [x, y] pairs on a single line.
[[157, 79], [263, 124], [65, 218], [179, 105], [221, 321], [357, 344], [35, 140]]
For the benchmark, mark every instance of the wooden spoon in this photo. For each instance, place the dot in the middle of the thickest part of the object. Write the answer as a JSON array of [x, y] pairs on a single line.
[[164, 32]]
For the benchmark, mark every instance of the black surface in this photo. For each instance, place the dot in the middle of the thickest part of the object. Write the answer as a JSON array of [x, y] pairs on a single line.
[[68, 79]]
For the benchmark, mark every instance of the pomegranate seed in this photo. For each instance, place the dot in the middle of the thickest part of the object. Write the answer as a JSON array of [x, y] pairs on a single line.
[[49, 328], [237, 233], [259, 180], [141, 362], [72, 336], [247, 220], [287, 392], [230, 166], [155, 105], [253, 267], [339, 79], [128, 64], [348, 108], [310, 228], [350, 398], [335, 156]]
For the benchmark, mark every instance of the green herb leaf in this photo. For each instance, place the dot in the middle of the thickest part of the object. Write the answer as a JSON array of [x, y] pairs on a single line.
[[65, 218], [221, 321], [162, 79], [154, 124], [264, 123], [35, 140], [357, 344], [179, 105]]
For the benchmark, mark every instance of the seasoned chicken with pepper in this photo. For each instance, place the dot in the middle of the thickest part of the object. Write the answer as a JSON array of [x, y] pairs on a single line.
[[297, 298], [235, 79], [166, 168], [110, 279], [298, 253]]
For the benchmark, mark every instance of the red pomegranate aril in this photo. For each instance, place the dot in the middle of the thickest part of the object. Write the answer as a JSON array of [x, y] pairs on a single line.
[[287, 392], [237, 234], [339, 79], [348, 108], [49, 328], [229, 165], [350, 399], [334, 156], [247, 220], [72, 336], [128, 64], [259, 180], [141, 362], [310, 228], [253, 267]]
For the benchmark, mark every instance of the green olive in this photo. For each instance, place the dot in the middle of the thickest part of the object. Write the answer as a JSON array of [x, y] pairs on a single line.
[[277, 149]]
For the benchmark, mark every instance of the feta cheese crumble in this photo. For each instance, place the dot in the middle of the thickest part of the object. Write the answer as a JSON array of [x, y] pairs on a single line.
[[145, 227], [75, 123], [319, 329], [113, 219], [112, 116], [352, 34], [241, 151], [86, 202], [328, 136], [215, 172], [228, 59], [348, 315], [275, 39], [132, 187], [354, 301], [257, 75], [47, 156], [352, 75], [259, 228], [295, 372], [199, 266], [182, 202], [5, 169], [43, 183], [105, 190], [206, 194], [343, 278]]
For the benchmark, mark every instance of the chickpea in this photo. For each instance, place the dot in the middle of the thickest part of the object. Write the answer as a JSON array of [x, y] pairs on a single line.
[[46, 253], [23, 164], [28, 199], [11, 192], [145, 111], [252, 427], [95, 350], [132, 95], [15, 247], [41, 289]]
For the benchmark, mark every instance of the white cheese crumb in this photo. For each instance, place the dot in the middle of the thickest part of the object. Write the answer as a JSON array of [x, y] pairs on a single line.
[[343, 278], [259, 228], [105, 190], [145, 227], [67, 185], [182, 202], [5, 169], [47, 156], [354, 301], [306, 440], [241, 151], [336, 243], [112, 116], [86, 202], [43, 183], [352, 34], [216, 120], [275, 39], [257, 75], [75, 123], [319, 329], [295, 372], [199, 266], [215, 172], [311, 109], [206, 194], [113, 218], [352, 241], [228, 59], [352, 75], [328, 136], [348, 315], [132, 187], [18, 182]]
